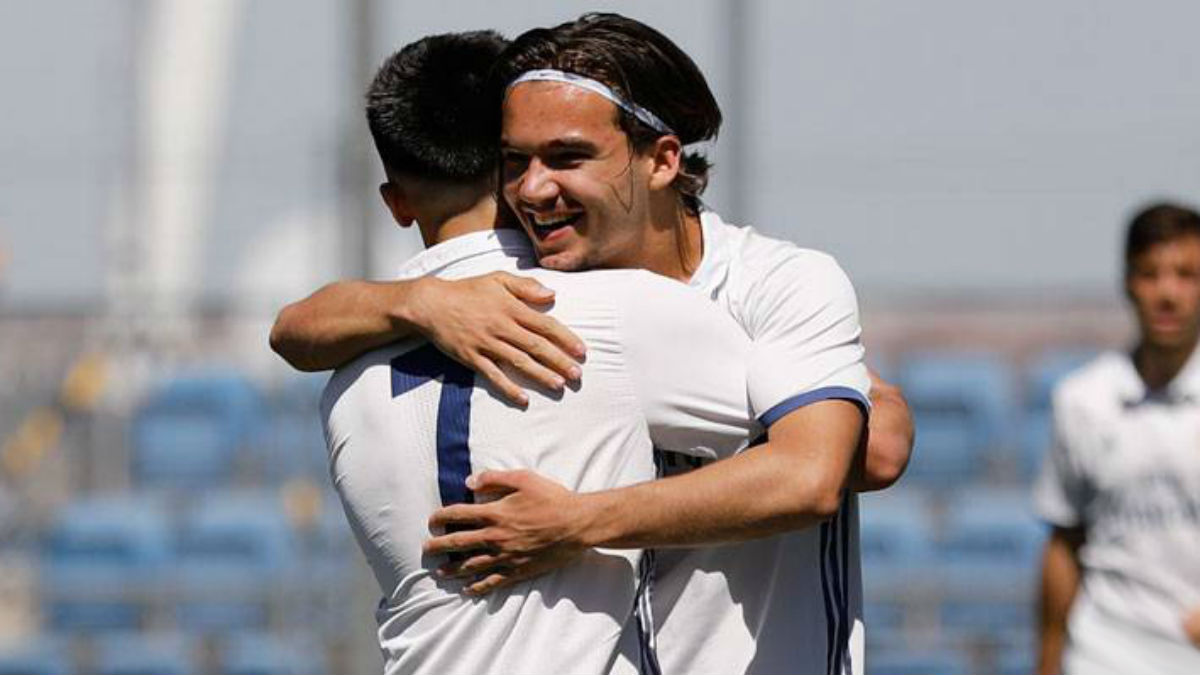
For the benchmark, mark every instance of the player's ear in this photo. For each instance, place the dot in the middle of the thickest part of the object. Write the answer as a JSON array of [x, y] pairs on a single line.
[[397, 202], [665, 156]]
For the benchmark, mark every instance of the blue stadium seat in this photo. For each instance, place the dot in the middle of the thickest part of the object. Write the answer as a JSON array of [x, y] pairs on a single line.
[[1042, 375], [291, 442], [896, 532], [264, 654], [926, 661], [962, 407], [101, 561], [989, 560], [186, 433], [41, 656], [896, 540], [146, 654], [235, 551]]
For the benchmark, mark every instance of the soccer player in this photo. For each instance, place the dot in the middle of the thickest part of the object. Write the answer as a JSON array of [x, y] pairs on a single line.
[[796, 305], [406, 425], [1120, 487]]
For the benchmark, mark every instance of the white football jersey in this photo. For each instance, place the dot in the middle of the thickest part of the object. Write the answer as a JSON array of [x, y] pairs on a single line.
[[1125, 466], [406, 425], [790, 603]]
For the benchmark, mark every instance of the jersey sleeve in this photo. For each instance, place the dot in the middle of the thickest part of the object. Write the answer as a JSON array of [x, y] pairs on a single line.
[[802, 315], [687, 360], [1060, 492]]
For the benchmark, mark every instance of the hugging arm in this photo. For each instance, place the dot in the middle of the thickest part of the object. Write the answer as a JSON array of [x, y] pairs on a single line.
[[486, 323], [890, 436]]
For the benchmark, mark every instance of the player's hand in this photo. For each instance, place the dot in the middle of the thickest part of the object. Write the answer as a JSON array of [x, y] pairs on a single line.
[[1191, 626], [533, 528], [486, 322]]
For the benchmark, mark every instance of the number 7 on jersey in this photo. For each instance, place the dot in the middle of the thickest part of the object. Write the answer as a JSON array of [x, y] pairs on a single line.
[[421, 365]]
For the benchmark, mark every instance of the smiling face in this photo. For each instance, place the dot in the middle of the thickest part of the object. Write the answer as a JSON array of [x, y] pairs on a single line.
[[1163, 282], [569, 174]]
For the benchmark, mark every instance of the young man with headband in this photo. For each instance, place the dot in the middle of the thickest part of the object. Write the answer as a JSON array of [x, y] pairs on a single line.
[[591, 195], [405, 424]]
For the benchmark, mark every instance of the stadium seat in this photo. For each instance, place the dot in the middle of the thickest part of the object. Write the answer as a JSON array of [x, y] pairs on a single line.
[[962, 408], [896, 540], [988, 560], [264, 654], [927, 661], [146, 654], [41, 656], [291, 442], [101, 561], [186, 433], [235, 551], [896, 532], [1042, 375]]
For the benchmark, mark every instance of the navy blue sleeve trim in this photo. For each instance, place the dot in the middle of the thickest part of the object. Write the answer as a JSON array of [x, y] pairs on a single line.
[[823, 394]]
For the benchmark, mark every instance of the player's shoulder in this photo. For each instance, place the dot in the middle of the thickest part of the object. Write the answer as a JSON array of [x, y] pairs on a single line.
[[1096, 385], [754, 256]]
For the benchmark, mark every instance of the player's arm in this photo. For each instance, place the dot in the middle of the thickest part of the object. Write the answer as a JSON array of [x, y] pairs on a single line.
[[1061, 574], [795, 480], [484, 322], [1191, 625], [889, 439]]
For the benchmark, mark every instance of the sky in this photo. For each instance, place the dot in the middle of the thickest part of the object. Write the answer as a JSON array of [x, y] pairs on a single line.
[[933, 146]]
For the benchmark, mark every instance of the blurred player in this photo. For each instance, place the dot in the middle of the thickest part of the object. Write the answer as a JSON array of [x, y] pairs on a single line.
[[406, 424], [1121, 486]]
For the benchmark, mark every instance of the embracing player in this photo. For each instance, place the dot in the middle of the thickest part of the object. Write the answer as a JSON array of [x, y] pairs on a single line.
[[405, 424], [588, 105]]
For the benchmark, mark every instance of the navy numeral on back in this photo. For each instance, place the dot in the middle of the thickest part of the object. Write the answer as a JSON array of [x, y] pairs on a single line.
[[422, 365]]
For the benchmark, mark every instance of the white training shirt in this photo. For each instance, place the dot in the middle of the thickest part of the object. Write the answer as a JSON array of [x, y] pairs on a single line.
[[790, 603], [663, 366], [1125, 466]]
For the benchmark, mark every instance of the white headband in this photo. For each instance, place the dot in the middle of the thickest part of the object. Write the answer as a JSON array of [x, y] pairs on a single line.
[[645, 116]]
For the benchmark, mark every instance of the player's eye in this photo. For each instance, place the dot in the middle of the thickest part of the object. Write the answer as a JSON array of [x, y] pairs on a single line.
[[566, 160], [514, 164]]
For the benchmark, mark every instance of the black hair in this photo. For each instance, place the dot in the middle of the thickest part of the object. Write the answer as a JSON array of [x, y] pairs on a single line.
[[1156, 224], [428, 107], [638, 63]]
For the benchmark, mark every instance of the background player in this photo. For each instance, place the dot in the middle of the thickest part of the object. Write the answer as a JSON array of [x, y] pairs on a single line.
[[406, 425], [1121, 485]]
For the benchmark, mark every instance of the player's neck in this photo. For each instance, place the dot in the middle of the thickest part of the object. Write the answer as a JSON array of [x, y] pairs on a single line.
[[675, 245], [442, 225], [1158, 365]]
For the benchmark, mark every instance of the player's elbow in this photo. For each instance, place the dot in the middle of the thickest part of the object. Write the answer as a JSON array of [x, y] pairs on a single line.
[[887, 458], [285, 342], [815, 496]]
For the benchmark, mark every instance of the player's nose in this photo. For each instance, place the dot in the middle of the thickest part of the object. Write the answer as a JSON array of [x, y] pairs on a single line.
[[537, 185]]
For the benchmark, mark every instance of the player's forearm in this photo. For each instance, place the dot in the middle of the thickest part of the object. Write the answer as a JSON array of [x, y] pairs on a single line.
[[737, 499], [794, 481], [889, 439], [341, 321], [1060, 581]]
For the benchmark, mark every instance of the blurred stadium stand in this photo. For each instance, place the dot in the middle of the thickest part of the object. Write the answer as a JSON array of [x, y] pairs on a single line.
[[195, 530]]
